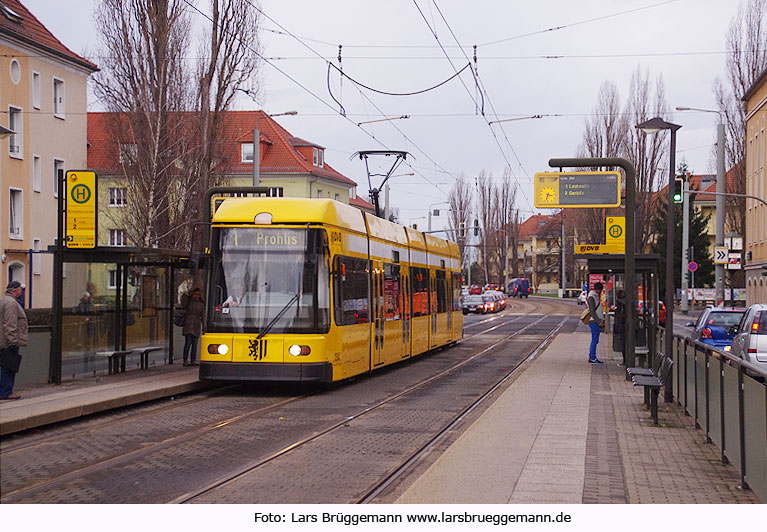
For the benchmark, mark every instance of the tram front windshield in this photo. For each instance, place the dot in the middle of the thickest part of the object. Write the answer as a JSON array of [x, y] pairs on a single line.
[[273, 280]]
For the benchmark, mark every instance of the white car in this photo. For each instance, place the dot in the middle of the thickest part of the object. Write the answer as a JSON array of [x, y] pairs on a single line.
[[750, 340], [582, 297]]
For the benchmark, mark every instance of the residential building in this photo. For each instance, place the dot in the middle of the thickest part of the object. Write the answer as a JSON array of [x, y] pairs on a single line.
[[43, 97], [290, 166], [755, 241]]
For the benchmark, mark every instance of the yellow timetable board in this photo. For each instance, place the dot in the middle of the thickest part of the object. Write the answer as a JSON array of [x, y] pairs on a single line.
[[81, 209], [557, 190]]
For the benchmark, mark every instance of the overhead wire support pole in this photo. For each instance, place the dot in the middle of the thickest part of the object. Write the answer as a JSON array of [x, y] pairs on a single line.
[[374, 192]]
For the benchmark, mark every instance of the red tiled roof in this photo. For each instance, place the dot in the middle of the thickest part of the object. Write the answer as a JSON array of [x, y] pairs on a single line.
[[32, 32], [531, 226], [361, 204], [279, 155]]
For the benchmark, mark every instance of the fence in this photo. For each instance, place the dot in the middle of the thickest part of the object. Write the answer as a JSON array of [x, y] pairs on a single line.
[[727, 398]]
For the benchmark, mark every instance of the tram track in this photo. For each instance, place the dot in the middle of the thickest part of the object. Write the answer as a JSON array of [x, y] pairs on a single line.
[[22, 494], [193, 496]]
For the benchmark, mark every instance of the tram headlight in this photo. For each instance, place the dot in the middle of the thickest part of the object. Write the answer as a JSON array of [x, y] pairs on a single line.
[[218, 349], [299, 350]]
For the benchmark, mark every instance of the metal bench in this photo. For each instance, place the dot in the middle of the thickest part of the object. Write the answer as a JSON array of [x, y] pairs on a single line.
[[653, 384], [116, 360], [144, 354]]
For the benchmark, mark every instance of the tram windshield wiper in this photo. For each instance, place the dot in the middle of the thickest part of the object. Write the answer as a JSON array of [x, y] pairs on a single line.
[[278, 316]]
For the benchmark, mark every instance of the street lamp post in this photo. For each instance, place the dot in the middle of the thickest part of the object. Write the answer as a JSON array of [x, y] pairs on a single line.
[[653, 126], [257, 146], [428, 225], [720, 187]]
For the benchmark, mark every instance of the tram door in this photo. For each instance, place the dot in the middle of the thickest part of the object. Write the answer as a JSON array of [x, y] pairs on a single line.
[[377, 315], [433, 307], [406, 324]]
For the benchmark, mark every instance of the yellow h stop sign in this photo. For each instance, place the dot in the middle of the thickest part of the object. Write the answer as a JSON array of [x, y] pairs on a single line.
[[615, 231]]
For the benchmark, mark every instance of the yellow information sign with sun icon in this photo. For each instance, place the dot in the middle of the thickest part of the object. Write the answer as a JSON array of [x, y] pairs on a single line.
[[554, 190]]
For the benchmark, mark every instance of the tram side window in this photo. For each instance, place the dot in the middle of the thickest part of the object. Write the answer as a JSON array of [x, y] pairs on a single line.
[[456, 291], [350, 289], [441, 292], [420, 289], [392, 289]]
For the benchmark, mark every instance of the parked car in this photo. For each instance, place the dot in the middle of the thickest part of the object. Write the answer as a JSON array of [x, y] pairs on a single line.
[[475, 289], [750, 336], [714, 324], [519, 287], [582, 297], [473, 303]]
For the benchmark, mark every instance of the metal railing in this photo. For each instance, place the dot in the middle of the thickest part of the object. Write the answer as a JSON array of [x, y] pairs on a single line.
[[727, 398]]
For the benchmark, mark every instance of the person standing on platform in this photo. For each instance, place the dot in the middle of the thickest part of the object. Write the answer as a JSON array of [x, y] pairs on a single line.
[[596, 321], [192, 330], [13, 334]]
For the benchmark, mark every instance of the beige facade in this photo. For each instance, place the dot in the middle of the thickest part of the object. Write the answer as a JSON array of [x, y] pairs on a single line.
[[756, 185], [43, 99]]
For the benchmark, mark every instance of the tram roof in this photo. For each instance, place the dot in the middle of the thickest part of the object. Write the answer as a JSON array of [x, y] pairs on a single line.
[[386, 230], [437, 245], [291, 211]]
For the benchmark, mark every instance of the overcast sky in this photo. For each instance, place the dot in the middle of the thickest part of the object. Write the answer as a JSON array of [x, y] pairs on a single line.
[[391, 46]]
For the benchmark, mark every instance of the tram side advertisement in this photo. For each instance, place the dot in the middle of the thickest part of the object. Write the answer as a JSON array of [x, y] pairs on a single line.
[[81, 209]]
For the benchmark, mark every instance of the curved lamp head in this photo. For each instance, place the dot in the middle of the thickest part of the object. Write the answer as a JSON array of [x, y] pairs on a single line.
[[656, 124]]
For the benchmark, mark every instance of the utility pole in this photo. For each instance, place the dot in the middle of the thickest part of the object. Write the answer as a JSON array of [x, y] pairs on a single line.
[[720, 187], [564, 269], [685, 240], [386, 203]]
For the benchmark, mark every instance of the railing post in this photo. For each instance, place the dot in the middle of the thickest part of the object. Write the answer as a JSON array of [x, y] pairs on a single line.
[[721, 407], [742, 429], [686, 400], [695, 381], [708, 423]]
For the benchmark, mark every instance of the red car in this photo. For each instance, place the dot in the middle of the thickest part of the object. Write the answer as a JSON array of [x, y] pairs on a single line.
[[475, 289]]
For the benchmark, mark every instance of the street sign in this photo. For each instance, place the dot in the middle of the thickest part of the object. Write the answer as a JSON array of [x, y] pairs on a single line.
[[615, 230], [734, 243], [82, 209], [734, 262], [577, 189], [585, 249], [692, 266], [721, 254]]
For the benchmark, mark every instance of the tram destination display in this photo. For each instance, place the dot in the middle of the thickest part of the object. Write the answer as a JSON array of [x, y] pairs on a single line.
[[556, 190]]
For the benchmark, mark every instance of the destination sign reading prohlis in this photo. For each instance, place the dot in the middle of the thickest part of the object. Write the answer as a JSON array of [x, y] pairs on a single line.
[[556, 190]]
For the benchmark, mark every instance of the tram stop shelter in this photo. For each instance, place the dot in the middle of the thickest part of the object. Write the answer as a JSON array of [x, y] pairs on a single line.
[[116, 304], [646, 267]]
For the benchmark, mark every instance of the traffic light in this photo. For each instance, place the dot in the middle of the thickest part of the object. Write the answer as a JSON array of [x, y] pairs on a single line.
[[689, 253], [678, 188], [462, 230]]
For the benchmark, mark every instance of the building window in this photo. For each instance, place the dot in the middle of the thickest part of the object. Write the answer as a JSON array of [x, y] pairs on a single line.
[[15, 71], [246, 151], [16, 211], [118, 197], [58, 164], [128, 154], [116, 237], [36, 90], [275, 192], [321, 155], [338, 197], [112, 281], [59, 99], [37, 258], [315, 157], [37, 173], [319, 193], [16, 124]]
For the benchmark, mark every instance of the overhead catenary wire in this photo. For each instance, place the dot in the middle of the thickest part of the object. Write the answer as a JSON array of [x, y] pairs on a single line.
[[306, 89]]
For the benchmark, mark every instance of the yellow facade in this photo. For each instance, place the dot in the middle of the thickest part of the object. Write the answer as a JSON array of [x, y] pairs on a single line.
[[756, 185], [50, 135]]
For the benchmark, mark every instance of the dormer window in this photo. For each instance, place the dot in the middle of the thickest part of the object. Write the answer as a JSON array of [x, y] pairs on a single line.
[[318, 157], [246, 150]]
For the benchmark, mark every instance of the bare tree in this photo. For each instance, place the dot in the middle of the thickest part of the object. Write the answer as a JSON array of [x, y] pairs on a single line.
[[488, 220], [648, 153], [460, 199], [746, 60], [505, 200], [228, 60], [143, 79], [604, 136]]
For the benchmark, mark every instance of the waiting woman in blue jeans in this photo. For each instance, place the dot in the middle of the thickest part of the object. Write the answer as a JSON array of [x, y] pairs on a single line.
[[192, 325], [596, 321]]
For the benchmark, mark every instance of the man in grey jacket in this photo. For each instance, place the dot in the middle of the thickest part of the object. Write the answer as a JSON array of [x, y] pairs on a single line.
[[596, 321], [13, 334]]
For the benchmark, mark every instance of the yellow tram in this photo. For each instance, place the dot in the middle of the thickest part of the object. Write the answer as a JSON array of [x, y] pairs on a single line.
[[316, 290]]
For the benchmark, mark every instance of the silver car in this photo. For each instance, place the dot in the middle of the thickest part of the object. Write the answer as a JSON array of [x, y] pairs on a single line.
[[750, 340]]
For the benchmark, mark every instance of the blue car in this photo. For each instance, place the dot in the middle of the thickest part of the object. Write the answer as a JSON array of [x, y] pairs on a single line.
[[711, 327]]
